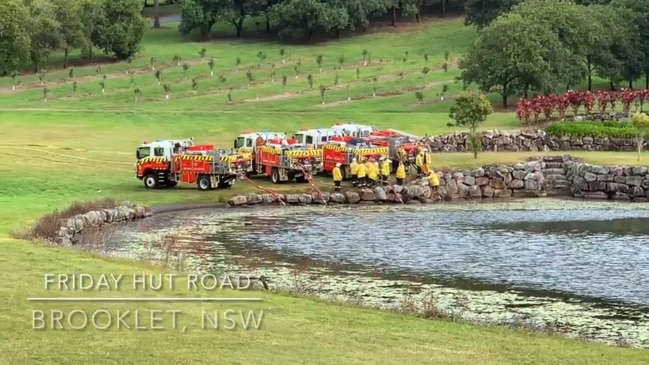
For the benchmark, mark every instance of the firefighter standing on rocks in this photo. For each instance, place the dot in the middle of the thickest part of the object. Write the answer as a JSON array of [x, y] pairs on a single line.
[[385, 169], [361, 175], [353, 170], [433, 181], [400, 173], [338, 177]]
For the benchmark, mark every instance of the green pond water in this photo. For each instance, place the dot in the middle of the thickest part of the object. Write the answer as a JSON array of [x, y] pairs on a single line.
[[576, 264]]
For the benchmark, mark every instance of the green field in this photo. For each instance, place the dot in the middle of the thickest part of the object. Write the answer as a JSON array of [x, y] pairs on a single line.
[[80, 146]]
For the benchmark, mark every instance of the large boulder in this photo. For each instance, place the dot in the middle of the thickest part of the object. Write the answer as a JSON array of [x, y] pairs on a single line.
[[366, 194], [237, 201], [352, 197], [380, 194]]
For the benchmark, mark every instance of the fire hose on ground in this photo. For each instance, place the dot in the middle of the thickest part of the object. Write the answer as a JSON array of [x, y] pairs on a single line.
[[309, 178], [278, 198]]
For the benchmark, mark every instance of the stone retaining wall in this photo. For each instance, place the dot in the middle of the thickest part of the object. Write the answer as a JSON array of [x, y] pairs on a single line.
[[71, 227], [528, 140], [540, 176]]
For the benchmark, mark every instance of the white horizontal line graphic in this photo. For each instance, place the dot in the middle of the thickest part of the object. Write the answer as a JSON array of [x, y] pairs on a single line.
[[145, 299]]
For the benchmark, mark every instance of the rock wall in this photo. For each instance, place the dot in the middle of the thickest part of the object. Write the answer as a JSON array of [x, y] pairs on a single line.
[[540, 176], [71, 227], [590, 181], [528, 140]]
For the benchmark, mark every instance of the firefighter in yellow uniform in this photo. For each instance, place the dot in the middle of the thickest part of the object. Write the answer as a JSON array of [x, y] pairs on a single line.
[[433, 181], [338, 177], [419, 163], [425, 161], [353, 170], [385, 170], [372, 173], [361, 175], [369, 163], [400, 173]]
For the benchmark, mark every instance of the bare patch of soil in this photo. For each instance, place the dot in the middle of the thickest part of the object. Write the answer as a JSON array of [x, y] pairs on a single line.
[[334, 104], [275, 97]]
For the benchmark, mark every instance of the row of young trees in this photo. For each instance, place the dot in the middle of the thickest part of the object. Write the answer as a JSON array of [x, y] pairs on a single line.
[[31, 30], [546, 45], [296, 19]]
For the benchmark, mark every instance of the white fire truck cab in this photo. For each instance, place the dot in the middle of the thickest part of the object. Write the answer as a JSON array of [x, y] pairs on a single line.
[[164, 148], [315, 137], [249, 140], [353, 129]]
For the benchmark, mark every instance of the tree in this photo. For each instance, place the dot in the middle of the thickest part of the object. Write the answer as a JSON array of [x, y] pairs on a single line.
[[167, 90], [156, 14], [310, 80], [573, 26], [239, 10], [14, 82], [92, 12], [121, 28], [284, 81], [637, 14], [15, 40], [211, 64], [323, 91], [375, 80], [200, 15], [44, 32], [319, 58], [420, 97], [300, 19], [136, 93], [640, 122], [470, 111], [261, 56], [73, 30], [480, 13], [185, 69], [505, 58]]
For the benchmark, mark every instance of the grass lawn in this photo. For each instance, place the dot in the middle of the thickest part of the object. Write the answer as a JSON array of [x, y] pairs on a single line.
[[80, 146]]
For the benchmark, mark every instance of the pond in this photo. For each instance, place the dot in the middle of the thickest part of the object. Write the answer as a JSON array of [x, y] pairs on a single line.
[[581, 265]]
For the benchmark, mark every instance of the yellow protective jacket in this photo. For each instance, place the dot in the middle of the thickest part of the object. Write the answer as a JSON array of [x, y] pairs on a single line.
[[419, 160], [385, 168], [401, 171], [353, 168], [337, 174], [362, 171], [373, 172], [433, 179]]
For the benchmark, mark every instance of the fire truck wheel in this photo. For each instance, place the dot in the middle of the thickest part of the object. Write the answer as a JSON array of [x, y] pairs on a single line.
[[274, 176], [204, 183], [150, 181]]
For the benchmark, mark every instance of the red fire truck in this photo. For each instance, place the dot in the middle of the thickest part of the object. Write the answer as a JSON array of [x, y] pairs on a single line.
[[344, 149], [393, 140], [165, 163], [285, 160]]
